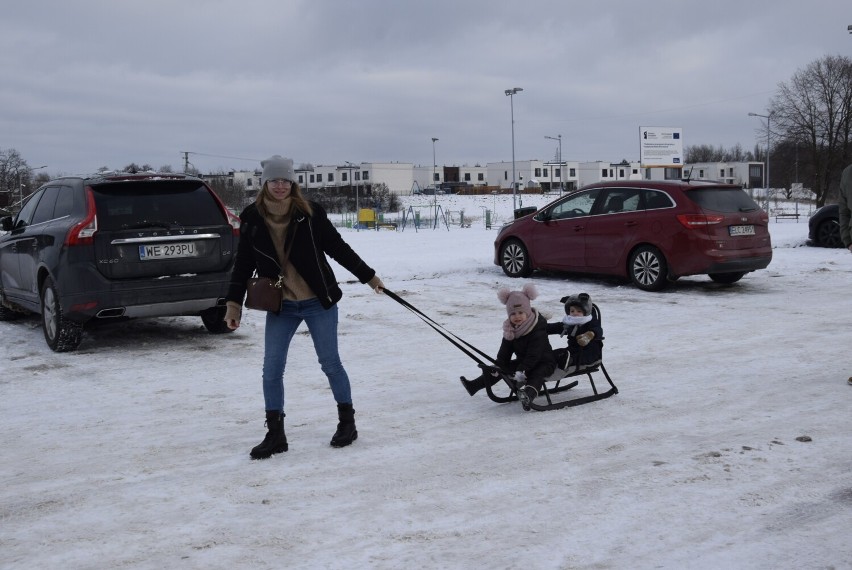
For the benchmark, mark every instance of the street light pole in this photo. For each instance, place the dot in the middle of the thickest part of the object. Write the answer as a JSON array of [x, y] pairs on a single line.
[[434, 168], [768, 142], [511, 94], [356, 190], [559, 160]]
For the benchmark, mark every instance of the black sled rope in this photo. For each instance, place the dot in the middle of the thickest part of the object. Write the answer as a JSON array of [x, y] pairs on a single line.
[[460, 343]]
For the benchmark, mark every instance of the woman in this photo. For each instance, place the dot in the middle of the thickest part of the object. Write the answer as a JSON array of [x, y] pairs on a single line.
[[283, 235]]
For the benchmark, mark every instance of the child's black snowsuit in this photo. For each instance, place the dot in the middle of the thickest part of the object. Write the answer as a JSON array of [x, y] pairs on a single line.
[[580, 355], [534, 354]]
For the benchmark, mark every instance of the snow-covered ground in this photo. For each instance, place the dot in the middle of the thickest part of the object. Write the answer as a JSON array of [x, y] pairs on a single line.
[[133, 451]]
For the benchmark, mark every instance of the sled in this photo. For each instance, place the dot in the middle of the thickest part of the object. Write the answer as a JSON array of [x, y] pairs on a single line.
[[558, 382]]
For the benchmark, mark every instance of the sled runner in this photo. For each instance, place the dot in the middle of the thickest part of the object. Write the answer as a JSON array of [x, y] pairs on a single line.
[[558, 382]]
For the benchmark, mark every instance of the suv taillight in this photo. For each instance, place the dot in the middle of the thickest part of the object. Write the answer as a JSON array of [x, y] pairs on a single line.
[[695, 221], [233, 221], [83, 233]]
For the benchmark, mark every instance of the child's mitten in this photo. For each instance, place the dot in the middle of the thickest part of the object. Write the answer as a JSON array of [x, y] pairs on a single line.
[[585, 338]]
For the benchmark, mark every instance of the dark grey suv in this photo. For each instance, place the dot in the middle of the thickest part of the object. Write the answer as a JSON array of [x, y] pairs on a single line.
[[116, 246]]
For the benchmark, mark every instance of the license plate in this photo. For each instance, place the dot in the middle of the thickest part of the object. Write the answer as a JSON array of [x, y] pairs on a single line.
[[167, 251], [741, 230]]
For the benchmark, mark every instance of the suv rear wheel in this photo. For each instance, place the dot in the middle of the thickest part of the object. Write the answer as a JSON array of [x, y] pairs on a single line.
[[214, 320], [648, 268], [61, 334], [828, 234]]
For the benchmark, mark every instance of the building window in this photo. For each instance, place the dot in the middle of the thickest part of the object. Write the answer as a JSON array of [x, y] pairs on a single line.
[[505, 175], [480, 177], [557, 172], [248, 182], [319, 177], [365, 175], [343, 176], [435, 177], [701, 173], [722, 173], [331, 176], [544, 172], [467, 176], [357, 175], [572, 172], [603, 172], [312, 178], [621, 173], [538, 172]]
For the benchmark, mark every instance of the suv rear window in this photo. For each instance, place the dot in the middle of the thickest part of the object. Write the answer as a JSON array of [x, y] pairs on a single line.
[[158, 203], [722, 199]]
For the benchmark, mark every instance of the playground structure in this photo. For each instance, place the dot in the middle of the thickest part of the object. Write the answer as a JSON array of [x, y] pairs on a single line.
[[426, 216], [367, 219], [435, 217]]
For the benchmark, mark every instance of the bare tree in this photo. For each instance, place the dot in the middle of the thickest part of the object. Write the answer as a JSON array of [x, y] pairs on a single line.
[[134, 168], [812, 116], [383, 198], [15, 174], [232, 192], [707, 153]]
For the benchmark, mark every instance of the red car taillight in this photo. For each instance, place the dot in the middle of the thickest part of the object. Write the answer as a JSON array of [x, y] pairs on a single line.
[[695, 221], [83, 233]]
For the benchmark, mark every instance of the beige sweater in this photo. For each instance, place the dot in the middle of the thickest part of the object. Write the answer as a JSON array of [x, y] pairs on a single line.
[[278, 220]]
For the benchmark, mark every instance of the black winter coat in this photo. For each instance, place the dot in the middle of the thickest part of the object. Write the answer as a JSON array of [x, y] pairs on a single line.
[[309, 238], [593, 351], [533, 351]]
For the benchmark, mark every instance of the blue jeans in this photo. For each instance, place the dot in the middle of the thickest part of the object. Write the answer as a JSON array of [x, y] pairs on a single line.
[[280, 328]]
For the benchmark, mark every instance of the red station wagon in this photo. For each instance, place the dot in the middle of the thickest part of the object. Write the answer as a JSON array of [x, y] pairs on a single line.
[[650, 232]]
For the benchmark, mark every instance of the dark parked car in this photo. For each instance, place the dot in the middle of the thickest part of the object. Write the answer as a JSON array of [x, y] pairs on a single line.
[[824, 227], [115, 246], [646, 231]]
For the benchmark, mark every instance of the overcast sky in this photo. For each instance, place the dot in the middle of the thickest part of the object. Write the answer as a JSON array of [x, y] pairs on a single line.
[[91, 83]]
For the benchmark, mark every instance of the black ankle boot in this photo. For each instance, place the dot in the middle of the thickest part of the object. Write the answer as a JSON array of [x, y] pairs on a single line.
[[346, 432], [275, 440], [477, 384], [472, 386]]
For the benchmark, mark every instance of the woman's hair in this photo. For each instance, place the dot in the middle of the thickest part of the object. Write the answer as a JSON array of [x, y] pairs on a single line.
[[299, 201]]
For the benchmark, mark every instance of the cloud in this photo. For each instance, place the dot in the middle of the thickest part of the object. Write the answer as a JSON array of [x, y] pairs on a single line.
[[95, 83]]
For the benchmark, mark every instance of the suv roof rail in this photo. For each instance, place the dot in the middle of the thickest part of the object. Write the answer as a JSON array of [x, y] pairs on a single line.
[[123, 175]]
